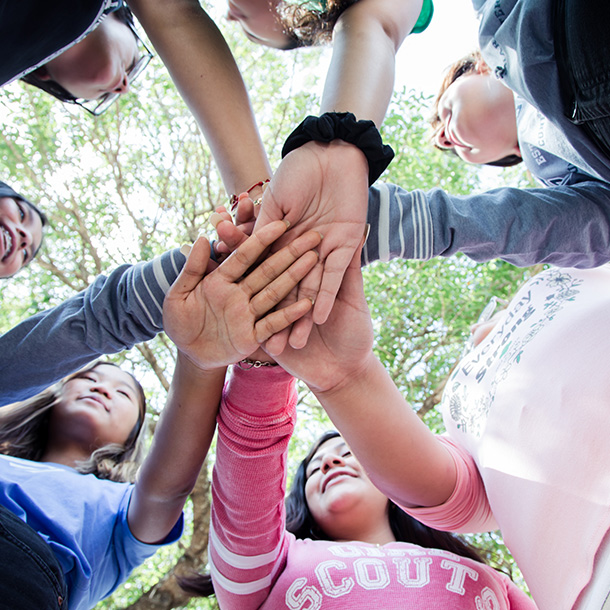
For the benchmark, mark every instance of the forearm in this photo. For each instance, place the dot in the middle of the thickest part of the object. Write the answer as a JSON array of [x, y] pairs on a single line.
[[247, 537], [564, 226], [366, 38], [204, 71], [113, 314], [180, 444], [403, 458]]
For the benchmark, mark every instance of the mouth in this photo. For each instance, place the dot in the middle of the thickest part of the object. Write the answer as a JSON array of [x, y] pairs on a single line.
[[235, 13], [334, 477], [455, 140], [7, 242], [97, 400]]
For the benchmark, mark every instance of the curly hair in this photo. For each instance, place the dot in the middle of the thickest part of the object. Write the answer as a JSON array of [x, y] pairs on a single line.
[[311, 22], [24, 433], [469, 64]]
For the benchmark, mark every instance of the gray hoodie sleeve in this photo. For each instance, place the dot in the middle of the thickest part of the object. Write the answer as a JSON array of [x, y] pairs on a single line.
[[567, 226], [114, 313]]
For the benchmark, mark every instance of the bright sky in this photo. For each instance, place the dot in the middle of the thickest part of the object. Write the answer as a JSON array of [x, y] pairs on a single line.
[[423, 57]]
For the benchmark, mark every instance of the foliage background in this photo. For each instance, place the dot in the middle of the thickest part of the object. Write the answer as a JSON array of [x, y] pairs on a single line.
[[140, 180]]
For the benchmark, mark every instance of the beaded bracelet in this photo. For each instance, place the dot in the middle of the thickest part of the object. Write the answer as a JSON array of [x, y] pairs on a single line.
[[253, 364], [344, 126], [234, 199]]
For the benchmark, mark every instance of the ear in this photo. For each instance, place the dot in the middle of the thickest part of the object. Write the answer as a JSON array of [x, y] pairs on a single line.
[[42, 73]]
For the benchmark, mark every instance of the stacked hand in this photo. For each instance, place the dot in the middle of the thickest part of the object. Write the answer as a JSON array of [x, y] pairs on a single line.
[[222, 317]]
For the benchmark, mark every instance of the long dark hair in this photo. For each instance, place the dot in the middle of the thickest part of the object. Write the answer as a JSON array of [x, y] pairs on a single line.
[[24, 433], [405, 528], [123, 14]]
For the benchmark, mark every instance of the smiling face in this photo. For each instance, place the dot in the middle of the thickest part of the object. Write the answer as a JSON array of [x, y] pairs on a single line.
[[339, 494], [98, 64], [20, 235], [98, 407], [260, 22], [477, 119]]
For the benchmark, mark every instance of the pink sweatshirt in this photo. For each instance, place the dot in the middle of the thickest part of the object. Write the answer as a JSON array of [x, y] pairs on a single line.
[[528, 414], [255, 563]]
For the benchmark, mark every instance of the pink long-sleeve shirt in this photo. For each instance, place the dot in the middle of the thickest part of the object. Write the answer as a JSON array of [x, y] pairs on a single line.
[[528, 418], [255, 563]]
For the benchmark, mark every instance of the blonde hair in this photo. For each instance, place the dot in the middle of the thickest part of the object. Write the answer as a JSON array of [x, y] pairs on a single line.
[[24, 433]]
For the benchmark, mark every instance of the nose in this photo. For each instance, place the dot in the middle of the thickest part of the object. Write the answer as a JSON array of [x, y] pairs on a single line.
[[101, 389], [25, 237], [123, 86], [441, 140], [331, 460]]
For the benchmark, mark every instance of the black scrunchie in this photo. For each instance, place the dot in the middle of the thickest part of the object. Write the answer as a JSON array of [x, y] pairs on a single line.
[[344, 126]]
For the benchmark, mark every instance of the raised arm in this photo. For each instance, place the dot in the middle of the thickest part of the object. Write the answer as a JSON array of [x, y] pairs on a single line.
[[114, 313], [204, 71], [214, 319], [402, 457], [335, 158], [366, 38]]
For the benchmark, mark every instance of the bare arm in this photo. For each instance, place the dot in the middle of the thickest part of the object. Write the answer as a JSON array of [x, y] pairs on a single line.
[[204, 71], [180, 444], [403, 458], [366, 39]]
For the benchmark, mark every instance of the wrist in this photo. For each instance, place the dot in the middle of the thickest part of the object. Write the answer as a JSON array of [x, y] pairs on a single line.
[[344, 126], [354, 380], [195, 368]]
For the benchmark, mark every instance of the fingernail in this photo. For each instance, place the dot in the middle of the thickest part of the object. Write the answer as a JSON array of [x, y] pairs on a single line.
[[185, 249], [321, 235], [287, 222], [367, 230], [214, 219]]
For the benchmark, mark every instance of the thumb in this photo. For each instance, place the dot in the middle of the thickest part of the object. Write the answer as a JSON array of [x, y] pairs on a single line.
[[195, 268]]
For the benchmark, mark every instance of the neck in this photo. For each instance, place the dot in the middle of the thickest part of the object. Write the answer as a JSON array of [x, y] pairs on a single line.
[[67, 455], [380, 533]]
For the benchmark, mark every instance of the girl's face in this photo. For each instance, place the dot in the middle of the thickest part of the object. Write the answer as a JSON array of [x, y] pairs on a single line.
[[478, 120], [98, 64], [340, 496], [99, 407], [20, 235], [259, 21]]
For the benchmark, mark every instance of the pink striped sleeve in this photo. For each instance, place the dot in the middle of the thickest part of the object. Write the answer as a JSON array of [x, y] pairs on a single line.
[[248, 542]]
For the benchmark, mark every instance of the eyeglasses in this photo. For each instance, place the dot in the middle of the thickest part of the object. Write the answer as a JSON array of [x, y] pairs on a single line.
[[101, 104]]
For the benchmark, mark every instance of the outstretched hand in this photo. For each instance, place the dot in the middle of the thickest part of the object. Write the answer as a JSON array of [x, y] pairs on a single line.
[[219, 318], [322, 187], [338, 349]]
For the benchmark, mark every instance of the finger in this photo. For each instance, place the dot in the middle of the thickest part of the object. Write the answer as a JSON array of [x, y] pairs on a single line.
[[275, 265], [246, 255], [230, 235], [335, 265], [277, 321], [275, 292], [245, 211], [194, 269], [300, 331]]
